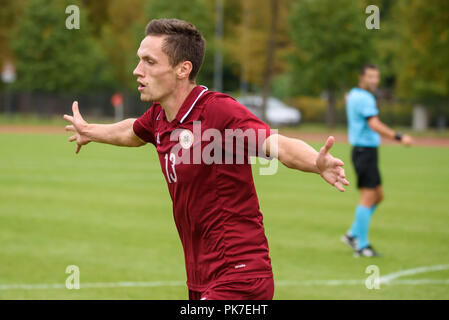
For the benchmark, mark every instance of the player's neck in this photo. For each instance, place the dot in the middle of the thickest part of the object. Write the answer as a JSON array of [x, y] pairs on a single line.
[[173, 102]]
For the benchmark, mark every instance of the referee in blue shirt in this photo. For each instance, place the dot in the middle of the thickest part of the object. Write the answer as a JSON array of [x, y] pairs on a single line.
[[364, 131]]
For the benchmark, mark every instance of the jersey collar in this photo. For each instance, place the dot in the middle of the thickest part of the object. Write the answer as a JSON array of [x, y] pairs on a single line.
[[188, 104]]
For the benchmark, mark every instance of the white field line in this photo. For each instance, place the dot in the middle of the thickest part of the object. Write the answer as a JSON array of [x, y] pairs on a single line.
[[391, 279], [408, 272], [360, 282]]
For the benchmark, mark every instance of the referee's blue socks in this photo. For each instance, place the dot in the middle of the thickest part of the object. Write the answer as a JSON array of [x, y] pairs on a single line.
[[360, 226]]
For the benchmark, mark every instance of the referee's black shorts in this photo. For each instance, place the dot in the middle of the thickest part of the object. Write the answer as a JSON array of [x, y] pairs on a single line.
[[365, 160]]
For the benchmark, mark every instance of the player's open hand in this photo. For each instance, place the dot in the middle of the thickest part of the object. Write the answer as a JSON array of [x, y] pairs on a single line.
[[78, 127], [330, 168]]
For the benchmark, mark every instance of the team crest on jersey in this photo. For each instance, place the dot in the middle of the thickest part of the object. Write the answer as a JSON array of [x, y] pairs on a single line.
[[186, 139]]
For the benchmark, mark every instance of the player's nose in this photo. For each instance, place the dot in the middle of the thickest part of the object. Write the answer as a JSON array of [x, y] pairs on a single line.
[[138, 71]]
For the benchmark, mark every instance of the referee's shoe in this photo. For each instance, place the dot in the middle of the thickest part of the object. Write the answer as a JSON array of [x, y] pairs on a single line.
[[366, 252], [350, 241]]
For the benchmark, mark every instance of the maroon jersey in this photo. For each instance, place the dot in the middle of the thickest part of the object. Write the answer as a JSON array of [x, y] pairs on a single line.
[[215, 206]]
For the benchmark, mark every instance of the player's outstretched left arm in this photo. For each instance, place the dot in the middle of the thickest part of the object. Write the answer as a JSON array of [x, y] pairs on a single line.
[[118, 134], [296, 154]]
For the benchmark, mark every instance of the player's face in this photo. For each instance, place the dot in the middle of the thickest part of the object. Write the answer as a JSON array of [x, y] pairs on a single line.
[[155, 75], [370, 79]]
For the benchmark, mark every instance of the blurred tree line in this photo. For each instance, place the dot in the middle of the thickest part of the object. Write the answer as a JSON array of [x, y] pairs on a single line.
[[316, 49]]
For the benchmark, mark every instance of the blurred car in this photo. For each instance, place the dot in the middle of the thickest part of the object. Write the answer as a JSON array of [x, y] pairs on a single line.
[[278, 113]]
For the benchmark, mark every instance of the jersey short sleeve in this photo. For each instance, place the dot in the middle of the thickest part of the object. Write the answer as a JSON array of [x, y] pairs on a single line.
[[143, 126], [367, 106], [225, 112]]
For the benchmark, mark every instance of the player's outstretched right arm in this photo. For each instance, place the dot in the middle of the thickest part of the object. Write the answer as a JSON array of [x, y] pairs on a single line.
[[119, 134]]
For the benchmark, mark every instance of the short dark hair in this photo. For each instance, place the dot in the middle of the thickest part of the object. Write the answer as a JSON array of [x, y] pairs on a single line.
[[367, 66], [184, 42]]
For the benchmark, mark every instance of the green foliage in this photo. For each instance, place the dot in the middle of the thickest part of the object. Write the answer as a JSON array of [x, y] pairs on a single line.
[[52, 58], [246, 39], [8, 17], [422, 54], [198, 12], [120, 36], [313, 109], [332, 43], [320, 44]]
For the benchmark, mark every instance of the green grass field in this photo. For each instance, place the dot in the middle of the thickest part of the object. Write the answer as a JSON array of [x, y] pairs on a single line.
[[107, 210]]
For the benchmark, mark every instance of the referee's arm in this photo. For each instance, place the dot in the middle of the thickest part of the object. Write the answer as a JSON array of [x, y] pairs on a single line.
[[386, 132]]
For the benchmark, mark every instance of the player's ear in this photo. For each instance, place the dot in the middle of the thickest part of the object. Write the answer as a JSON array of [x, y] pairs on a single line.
[[184, 69]]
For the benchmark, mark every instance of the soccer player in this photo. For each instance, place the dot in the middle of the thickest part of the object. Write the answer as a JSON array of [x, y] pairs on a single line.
[[215, 206], [364, 131]]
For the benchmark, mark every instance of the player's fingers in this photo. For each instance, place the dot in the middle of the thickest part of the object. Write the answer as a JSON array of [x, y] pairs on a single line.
[[329, 143], [342, 176], [341, 172], [339, 186], [68, 118], [78, 148], [343, 180], [70, 128], [75, 109], [72, 138], [338, 162]]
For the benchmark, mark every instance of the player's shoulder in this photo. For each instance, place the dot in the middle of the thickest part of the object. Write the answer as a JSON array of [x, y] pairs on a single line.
[[220, 109], [221, 103], [219, 97]]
